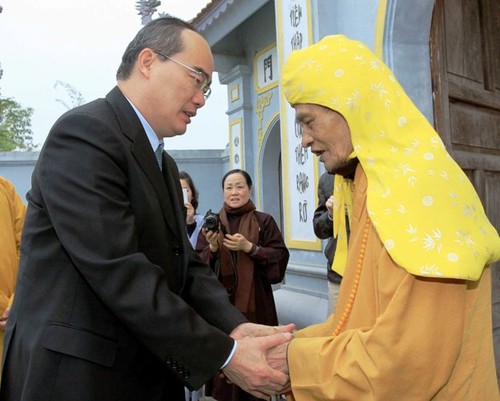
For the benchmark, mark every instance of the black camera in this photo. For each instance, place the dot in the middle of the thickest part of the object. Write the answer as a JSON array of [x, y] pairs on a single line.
[[211, 221]]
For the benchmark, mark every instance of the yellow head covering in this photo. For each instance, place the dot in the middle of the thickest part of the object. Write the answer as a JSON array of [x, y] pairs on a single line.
[[422, 205]]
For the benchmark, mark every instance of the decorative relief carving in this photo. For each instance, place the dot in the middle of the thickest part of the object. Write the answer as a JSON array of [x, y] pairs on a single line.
[[262, 102]]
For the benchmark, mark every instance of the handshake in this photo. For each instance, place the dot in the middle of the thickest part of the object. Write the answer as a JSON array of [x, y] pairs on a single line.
[[259, 364]]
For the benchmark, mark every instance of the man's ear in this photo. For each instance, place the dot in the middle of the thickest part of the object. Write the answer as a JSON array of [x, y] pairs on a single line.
[[145, 60]]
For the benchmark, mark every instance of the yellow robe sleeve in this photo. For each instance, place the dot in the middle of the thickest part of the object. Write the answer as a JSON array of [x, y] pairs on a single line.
[[409, 352], [317, 330], [19, 215]]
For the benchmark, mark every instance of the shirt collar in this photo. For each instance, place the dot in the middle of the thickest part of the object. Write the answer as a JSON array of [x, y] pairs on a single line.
[[153, 139]]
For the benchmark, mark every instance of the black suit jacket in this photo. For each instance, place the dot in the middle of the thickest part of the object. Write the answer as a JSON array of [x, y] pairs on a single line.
[[323, 224], [112, 303]]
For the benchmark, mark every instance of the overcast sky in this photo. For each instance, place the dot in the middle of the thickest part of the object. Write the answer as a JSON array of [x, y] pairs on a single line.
[[80, 42]]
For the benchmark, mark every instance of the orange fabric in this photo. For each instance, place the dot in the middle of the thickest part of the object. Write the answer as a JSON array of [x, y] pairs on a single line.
[[407, 337], [12, 211]]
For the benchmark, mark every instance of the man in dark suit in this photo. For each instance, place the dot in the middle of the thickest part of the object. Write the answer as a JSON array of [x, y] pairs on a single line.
[[112, 303], [323, 228]]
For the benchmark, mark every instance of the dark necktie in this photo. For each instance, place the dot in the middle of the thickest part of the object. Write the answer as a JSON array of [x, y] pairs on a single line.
[[158, 154]]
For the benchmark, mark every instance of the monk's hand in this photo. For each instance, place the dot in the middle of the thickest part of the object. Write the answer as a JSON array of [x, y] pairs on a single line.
[[259, 330], [277, 357]]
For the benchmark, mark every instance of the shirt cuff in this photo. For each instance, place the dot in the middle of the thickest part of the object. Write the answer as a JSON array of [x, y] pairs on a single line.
[[235, 345]]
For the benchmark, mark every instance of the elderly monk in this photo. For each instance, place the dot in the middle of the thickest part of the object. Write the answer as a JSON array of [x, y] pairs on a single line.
[[413, 319]]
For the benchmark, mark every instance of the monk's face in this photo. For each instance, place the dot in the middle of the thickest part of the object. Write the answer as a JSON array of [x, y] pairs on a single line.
[[327, 134]]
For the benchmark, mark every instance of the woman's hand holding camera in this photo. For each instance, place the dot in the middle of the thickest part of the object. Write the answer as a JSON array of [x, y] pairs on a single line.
[[212, 239]]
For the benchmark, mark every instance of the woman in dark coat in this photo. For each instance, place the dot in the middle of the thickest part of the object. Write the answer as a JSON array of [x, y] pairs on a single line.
[[248, 254]]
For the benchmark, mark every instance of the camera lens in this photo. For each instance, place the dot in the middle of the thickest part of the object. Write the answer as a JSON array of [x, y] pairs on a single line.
[[211, 221]]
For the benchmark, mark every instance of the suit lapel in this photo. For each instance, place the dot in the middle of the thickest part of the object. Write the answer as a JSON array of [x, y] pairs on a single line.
[[142, 151], [145, 157]]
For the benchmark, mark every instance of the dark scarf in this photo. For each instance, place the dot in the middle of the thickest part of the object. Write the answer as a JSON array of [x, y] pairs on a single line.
[[237, 268]]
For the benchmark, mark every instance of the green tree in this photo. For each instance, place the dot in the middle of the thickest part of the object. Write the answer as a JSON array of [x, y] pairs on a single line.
[[15, 126]]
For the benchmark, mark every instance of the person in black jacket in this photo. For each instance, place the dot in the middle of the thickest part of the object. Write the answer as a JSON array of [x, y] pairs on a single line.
[[323, 228]]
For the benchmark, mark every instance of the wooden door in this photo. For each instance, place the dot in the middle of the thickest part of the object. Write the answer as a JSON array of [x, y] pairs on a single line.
[[465, 62], [465, 57]]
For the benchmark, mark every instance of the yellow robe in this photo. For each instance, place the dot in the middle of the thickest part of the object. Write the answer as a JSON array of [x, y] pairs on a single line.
[[406, 338], [12, 211]]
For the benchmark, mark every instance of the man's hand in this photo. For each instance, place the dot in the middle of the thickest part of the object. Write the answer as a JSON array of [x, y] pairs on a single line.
[[259, 330], [250, 370]]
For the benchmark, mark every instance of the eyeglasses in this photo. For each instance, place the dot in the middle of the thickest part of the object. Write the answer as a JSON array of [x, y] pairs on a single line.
[[201, 80]]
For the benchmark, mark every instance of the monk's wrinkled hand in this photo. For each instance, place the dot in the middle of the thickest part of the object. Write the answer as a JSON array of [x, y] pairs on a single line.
[[259, 330], [277, 357]]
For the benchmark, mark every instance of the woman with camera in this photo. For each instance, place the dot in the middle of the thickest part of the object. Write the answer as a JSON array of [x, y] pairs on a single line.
[[248, 253], [194, 221]]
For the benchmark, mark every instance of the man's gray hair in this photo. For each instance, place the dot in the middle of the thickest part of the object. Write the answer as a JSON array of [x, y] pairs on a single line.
[[161, 34]]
